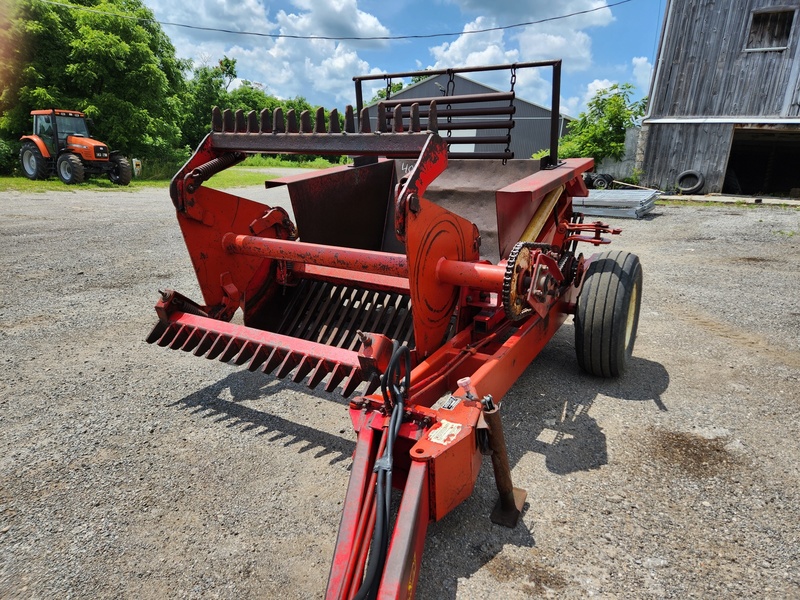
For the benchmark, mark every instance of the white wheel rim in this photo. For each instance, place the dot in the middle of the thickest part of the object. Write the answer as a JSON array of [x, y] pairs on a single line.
[[29, 161]]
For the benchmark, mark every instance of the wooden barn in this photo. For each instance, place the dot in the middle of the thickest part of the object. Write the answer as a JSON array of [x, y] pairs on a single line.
[[724, 100], [531, 132]]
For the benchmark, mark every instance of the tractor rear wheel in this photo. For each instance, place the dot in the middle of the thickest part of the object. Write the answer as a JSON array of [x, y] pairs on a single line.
[[121, 173], [70, 169], [607, 313], [33, 164]]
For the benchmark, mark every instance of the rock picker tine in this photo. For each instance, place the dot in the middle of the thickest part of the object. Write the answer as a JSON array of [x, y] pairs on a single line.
[[383, 284]]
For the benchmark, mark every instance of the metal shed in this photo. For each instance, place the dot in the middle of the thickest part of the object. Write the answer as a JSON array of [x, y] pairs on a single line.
[[532, 122]]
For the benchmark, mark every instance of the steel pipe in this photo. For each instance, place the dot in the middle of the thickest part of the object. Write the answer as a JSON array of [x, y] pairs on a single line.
[[352, 259], [481, 276]]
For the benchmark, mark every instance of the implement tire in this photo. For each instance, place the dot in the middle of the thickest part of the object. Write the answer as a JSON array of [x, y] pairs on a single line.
[[607, 313]]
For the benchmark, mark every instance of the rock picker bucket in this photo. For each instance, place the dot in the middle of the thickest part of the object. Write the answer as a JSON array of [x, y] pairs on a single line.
[[416, 280]]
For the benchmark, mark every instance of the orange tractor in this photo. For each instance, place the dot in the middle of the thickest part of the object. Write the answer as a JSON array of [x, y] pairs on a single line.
[[61, 143]]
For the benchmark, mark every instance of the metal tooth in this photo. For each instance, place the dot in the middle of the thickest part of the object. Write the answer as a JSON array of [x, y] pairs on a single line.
[[433, 121], [166, 338], [252, 122], [180, 337], [397, 119], [333, 122], [228, 123], [319, 373], [216, 119], [365, 121], [158, 330], [349, 119], [261, 354], [193, 340], [305, 122], [319, 121], [373, 385], [336, 377], [275, 358], [240, 124], [303, 369], [291, 121], [289, 363], [247, 351], [266, 121], [413, 126], [208, 339], [217, 347], [352, 382], [232, 348], [382, 117], [278, 125]]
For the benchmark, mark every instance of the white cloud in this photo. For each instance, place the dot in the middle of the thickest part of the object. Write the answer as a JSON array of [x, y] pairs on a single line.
[[287, 67], [573, 47], [474, 49], [642, 71]]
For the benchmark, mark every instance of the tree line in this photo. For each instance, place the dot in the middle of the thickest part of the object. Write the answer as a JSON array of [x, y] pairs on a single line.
[[115, 64]]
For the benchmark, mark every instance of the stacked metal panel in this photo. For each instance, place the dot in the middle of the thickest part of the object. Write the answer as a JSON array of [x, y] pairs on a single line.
[[626, 204]]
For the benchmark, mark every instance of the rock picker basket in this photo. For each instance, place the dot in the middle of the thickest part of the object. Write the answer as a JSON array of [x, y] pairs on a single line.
[[416, 281]]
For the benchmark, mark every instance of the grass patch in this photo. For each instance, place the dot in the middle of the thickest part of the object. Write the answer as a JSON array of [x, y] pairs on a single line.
[[23, 184], [239, 176], [257, 160]]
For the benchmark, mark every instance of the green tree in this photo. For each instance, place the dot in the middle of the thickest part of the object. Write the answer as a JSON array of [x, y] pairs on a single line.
[[114, 63], [381, 94], [600, 131], [205, 90]]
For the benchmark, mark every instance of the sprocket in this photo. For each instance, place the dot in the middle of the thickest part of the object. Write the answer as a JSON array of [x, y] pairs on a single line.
[[517, 280]]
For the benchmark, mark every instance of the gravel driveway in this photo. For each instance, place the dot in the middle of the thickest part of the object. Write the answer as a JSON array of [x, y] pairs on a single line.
[[129, 471]]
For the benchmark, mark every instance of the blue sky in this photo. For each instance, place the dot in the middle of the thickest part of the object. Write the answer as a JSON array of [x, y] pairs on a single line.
[[613, 41]]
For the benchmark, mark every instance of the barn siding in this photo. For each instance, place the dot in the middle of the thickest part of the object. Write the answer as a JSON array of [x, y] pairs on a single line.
[[705, 70], [675, 148]]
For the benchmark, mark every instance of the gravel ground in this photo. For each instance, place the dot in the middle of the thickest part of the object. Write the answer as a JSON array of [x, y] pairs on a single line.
[[129, 471]]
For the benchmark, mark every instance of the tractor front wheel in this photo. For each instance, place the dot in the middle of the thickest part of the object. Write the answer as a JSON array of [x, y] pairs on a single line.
[[121, 173], [70, 169], [34, 165], [607, 313]]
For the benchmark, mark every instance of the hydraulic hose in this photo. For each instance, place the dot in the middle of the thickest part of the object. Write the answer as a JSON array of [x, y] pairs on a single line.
[[395, 383]]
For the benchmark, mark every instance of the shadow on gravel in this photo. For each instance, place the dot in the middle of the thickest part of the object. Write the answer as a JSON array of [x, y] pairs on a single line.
[[559, 424], [221, 401]]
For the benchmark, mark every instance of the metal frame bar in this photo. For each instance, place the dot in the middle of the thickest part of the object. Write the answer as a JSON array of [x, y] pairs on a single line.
[[555, 109]]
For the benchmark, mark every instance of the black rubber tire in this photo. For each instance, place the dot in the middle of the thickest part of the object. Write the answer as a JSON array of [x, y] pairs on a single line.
[[690, 182], [607, 313], [31, 161], [121, 173], [601, 183], [70, 169]]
